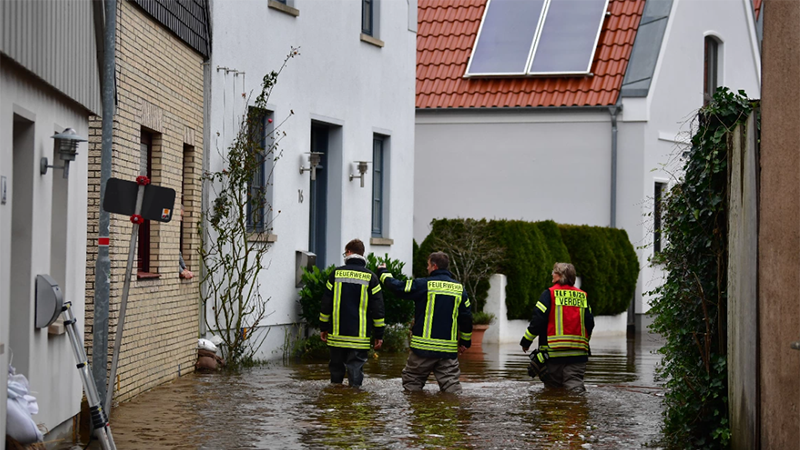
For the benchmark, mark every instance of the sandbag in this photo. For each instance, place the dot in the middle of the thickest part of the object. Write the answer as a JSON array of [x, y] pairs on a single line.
[[20, 406]]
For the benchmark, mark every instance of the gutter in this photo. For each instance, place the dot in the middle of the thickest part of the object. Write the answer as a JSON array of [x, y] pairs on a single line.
[[614, 110], [515, 109]]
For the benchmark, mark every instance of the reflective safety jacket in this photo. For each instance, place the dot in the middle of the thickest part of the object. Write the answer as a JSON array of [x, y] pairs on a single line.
[[352, 306], [563, 321], [442, 317]]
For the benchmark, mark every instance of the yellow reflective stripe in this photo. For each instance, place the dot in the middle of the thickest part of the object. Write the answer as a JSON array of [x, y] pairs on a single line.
[[329, 285], [362, 313], [426, 326], [345, 338], [348, 342], [529, 336], [466, 336], [563, 354], [324, 317], [454, 326], [377, 323], [541, 306], [583, 323], [337, 301], [559, 321], [376, 289], [353, 275], [409, 283], [437, 345], [466, 304], [446, 287], [385, 275]]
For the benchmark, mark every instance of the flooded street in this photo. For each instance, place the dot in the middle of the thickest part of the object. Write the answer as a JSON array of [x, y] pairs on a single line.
[[293, 406]]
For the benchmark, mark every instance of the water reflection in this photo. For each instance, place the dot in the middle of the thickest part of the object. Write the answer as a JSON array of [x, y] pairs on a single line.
[[294, 407]]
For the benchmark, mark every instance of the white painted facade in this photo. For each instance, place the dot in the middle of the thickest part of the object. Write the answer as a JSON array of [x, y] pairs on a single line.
[[355, 89], [42, 231], [656, 128], [527, 163]]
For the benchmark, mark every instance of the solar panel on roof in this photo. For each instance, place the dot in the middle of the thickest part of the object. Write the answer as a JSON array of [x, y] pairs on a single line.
[[569, 36], [505, 37], [535, 37]]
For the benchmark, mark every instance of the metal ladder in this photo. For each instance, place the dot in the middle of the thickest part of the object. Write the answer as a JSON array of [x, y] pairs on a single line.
[[102, 430]]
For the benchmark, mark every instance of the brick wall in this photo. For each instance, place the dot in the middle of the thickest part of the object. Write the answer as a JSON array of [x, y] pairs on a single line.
[[160, 89]]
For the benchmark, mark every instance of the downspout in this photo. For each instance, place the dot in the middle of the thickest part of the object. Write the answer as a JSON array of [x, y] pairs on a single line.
[[614, 110], [102, 271]]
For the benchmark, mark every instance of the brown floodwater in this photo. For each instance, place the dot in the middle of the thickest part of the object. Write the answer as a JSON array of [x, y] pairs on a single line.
[[293, 406]]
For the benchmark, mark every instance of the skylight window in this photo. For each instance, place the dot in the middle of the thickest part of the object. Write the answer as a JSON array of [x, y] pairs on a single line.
[[537, 37]]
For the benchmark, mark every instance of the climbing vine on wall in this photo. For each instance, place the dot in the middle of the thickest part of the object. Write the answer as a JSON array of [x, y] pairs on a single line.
[[690, 308]]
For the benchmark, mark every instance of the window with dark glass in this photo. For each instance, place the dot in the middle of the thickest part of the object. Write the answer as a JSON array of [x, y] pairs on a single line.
[[259, 205], [146, 168], [367, 12], [710, 68], [658, 201], [377, 186]]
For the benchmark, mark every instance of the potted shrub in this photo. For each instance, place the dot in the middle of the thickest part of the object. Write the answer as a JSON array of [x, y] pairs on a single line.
[[480, 322]]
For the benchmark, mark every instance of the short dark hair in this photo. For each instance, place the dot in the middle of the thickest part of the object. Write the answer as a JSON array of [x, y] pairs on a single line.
[[440, 259], [355, 246]]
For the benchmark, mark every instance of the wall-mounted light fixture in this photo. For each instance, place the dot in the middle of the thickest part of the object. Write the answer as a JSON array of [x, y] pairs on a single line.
[[362, 169], [313, 161], [67, 142]]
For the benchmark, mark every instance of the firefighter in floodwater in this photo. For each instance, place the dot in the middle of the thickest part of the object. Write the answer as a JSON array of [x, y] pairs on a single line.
[[442, 324], [352, 310], [563, 321]]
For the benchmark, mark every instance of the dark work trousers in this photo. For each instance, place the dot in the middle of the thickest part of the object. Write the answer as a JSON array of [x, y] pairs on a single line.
[[417, 370], [567, 376], [347, 360]]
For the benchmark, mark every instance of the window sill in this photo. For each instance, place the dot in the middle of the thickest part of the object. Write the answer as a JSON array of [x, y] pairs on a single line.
[[371, 40], [283, 8], [147, 276], [381, 241], [267, 238]]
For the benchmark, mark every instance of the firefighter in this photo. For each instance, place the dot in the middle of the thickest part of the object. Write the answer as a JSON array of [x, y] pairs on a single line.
[[563, 321], [352, 310], [442, 324]]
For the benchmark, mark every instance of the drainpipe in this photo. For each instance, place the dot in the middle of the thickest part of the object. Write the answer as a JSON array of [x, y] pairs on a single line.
[[614, 110], [102, 271]]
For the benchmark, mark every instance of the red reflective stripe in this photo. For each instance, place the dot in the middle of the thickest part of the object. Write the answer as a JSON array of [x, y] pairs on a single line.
[[103, 241]]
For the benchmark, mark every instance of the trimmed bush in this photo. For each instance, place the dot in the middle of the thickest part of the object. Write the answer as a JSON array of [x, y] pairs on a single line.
[[604, 259], [311, 294], [607, 264]]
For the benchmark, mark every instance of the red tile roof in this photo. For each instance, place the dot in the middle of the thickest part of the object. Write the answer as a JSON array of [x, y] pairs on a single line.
[[445, 36]]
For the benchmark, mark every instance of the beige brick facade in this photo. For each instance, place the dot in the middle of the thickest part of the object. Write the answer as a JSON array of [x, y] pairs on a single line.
[[159, 89]]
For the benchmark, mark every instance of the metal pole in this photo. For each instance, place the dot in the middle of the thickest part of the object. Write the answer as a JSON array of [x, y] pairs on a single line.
[[102, 269], [124, 301]]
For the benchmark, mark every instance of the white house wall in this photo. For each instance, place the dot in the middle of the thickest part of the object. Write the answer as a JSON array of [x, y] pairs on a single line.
[[50, 240], [518, 165], [676, 94], [353, 86]]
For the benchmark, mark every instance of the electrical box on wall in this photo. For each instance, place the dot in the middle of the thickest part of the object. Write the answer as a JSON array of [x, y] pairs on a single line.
[[303, 259], [49, 301]]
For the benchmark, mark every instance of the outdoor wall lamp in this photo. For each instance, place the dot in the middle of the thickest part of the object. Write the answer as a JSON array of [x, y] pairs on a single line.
[[362, 169], [313, 161], [67, 142]]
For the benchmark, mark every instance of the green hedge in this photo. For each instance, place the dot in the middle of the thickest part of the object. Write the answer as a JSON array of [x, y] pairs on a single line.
[[603, 257], [607, 264]]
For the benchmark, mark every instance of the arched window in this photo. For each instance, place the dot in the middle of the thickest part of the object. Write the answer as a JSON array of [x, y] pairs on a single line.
[[710, 68]]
